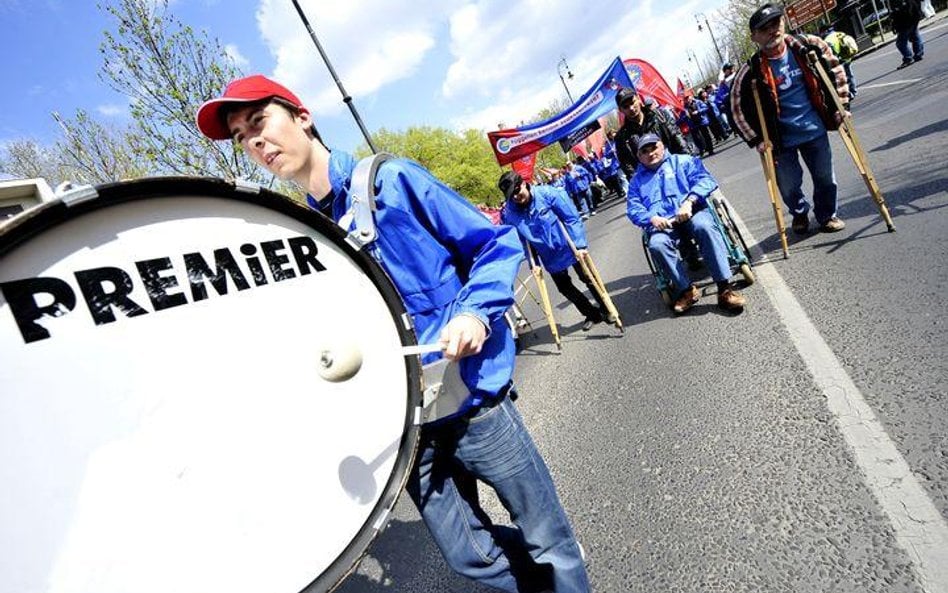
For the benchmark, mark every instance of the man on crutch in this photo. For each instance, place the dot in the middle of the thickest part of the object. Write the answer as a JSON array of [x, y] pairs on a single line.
[[535, 211], [797, 110]]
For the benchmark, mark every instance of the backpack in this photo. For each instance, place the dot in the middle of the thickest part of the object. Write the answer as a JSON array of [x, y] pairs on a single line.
[[847, 46]]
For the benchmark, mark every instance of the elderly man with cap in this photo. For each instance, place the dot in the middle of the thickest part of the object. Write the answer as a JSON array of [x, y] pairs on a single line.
[[541, 214], [454, 271], [798, 110], [643, 118], [667, 193]]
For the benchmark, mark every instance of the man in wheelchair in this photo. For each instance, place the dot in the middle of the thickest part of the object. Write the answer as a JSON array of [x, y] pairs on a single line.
[[669, 193]]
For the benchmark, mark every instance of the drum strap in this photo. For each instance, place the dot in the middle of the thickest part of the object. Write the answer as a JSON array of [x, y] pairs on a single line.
[[362, 208]]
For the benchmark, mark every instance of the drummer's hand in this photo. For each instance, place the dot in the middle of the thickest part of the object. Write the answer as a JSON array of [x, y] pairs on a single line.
[[764, 147], [462, 336], [841, 115], [582, 252]]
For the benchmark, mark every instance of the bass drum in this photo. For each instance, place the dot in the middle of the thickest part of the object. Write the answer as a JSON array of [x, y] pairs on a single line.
[[204, 389]]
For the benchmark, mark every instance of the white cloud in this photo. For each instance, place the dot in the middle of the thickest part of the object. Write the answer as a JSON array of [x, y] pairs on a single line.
[[370, 43], [111, 110], [503, 56], [233, 52], [507, 55]]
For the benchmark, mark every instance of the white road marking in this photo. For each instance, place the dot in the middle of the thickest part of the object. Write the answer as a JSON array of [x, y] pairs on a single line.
[[893, 83], [919, 528]]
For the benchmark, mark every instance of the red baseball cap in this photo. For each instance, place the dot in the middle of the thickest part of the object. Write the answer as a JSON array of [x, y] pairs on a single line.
[[243, 90]]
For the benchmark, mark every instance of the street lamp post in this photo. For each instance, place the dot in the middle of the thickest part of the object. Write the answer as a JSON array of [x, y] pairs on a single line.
[[562, 66], [710, 32], [692, 57]]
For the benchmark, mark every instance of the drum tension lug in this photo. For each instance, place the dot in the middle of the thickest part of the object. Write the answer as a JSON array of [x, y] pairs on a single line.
[[70, 195], [246, 186]]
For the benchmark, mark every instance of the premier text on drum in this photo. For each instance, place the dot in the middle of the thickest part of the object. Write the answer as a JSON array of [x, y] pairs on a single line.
[[108, 289]]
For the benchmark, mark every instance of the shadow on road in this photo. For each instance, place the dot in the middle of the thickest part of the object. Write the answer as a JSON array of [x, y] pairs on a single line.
[[900, 201], [934, 128], [404, 558]]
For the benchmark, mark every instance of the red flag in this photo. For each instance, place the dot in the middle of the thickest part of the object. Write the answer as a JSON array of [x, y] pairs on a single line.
[[524, 166], [681, 90], [650, 84]]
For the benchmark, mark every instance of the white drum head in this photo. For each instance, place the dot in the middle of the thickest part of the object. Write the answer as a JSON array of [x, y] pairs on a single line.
[[163, 423]]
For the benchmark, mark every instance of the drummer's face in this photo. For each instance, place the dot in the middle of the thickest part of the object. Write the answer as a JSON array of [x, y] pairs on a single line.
[[273, 137]]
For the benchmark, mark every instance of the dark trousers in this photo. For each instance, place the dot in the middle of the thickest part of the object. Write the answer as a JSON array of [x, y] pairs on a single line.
[[706, 140], [565, 285], [717, 129], [615, 186]]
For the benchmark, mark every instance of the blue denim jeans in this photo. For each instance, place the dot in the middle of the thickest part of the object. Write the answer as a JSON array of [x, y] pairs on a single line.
[[663, 246], [494, 447], [902, 40], [818, 157], [850, 78]]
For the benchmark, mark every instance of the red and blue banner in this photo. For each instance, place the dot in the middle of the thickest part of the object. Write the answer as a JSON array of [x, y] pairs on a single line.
[[512, 144], [650, 83], [524, 166]]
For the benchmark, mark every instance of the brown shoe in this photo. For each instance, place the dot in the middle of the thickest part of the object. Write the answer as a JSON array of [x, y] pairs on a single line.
[[731, 300], [687, 300], [801, 223], [833, 225]]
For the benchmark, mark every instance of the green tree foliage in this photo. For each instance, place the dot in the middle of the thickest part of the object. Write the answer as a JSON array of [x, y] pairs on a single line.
[[167, 70], [552, 156], [463, 161], [25, 158], [90, 152]]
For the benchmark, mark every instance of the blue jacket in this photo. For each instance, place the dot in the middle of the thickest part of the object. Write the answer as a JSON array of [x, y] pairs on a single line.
[[660, 192], [700, 109], [578, 180], [445, 258], [722, 95], [609, 154], [538, 225]]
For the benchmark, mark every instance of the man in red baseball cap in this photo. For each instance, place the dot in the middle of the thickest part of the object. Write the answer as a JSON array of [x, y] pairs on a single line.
[[455, 272]]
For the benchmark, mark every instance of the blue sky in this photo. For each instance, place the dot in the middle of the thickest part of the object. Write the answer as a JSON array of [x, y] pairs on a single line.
[[453, 63]]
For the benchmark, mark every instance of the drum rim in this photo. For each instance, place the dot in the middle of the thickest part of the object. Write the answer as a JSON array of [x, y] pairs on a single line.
[[48, 215]]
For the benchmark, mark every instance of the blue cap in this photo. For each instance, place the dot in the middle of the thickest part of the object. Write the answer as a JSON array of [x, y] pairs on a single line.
[[646, 139]]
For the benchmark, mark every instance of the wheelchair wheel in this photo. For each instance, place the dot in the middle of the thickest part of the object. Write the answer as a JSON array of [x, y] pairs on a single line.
[[723, 210], [662, 284], [748, 274]]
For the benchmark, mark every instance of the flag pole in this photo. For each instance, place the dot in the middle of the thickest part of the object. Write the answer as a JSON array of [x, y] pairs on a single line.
[[345, 96]]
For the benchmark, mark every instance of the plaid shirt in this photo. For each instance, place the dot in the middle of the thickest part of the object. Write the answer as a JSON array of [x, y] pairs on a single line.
[[756, 70]]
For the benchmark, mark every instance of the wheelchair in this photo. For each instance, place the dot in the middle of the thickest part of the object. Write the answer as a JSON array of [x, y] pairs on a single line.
[[738, 255]]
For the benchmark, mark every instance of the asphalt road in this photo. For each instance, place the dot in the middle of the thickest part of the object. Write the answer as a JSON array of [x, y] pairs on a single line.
[[801, 446]]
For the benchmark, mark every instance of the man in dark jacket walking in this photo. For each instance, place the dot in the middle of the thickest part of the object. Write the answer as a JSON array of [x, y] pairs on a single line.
[[906, 15], [798, 111], [641, 119]]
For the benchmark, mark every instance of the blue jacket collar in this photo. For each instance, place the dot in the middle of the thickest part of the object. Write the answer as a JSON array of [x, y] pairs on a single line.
[[341, 165]]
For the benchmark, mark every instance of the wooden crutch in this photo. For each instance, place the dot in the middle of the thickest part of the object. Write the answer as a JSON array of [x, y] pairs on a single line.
[[544, 296], [529, 293], [770, 174], [591, 272], [847, 131]]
